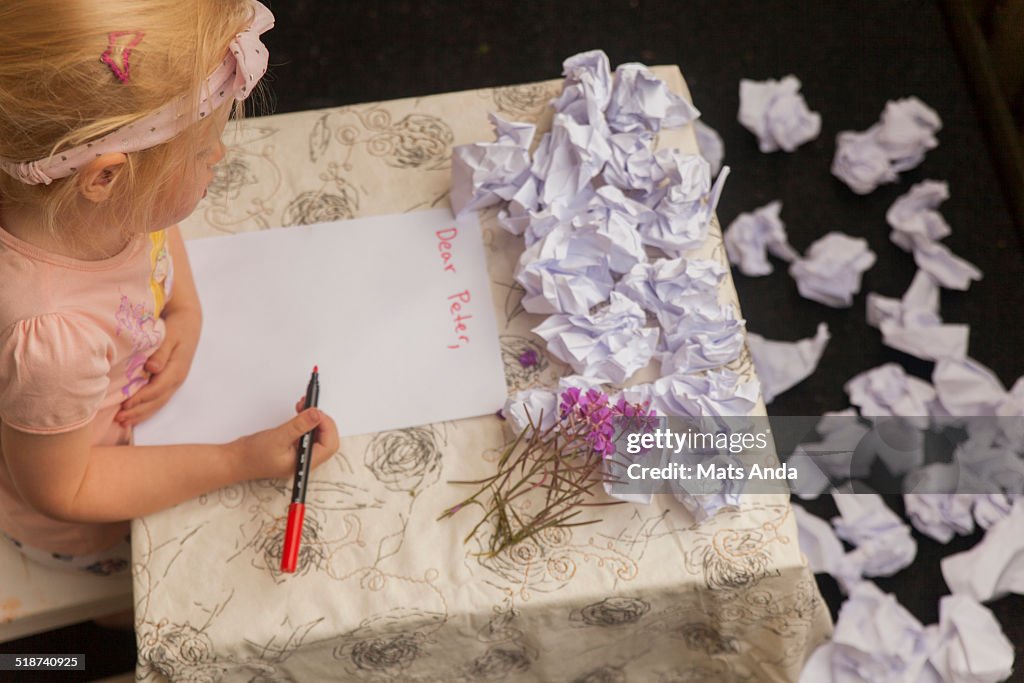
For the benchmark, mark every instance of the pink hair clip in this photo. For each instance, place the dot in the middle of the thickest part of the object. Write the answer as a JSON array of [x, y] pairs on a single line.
[[119, 52], [242, 67]]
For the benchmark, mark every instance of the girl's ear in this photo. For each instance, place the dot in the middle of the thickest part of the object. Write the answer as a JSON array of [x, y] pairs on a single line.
[[96, 180]]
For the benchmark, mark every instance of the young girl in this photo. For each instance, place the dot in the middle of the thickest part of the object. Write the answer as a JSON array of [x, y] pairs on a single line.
[[110, 121]]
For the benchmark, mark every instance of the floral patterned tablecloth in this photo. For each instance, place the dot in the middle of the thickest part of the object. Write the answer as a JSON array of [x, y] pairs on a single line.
[[383, 591]]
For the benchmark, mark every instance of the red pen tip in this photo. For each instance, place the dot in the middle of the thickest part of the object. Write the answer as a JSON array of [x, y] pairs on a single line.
[[315, 369]]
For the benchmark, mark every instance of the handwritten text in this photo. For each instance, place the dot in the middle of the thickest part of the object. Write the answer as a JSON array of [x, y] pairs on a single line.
[[455, 309], [445, 238]]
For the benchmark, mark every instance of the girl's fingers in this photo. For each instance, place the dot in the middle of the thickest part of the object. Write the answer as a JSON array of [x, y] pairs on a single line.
[[157, 385], [141, 396], [132, 417], [158, 361], [294, 428], [159, 389], [327, 433]]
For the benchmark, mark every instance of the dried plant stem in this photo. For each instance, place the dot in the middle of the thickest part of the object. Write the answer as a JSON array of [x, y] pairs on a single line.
[[557, 467], [568, 479]]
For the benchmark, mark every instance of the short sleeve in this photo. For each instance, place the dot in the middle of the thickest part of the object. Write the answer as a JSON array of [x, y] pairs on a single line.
[[53, 373]]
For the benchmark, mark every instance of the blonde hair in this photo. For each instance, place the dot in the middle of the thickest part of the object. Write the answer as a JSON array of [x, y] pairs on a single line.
[[56, 93]]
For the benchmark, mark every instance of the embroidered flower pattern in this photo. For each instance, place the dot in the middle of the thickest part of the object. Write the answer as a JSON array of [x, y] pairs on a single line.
[[139, 324]]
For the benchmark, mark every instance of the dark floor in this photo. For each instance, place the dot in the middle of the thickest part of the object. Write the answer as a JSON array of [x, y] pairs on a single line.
[[850, 62]]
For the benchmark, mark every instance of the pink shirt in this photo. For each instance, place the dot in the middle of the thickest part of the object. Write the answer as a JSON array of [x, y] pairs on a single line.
[[74, 337]]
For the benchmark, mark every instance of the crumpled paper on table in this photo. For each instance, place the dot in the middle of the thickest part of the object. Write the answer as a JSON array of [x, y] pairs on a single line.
[[595, 200], [891, 551], [674, 286], [989, 460], [913, 215], [710, 144], [906, 131], [536, 407], [685, 206], [912, 323], [718, 392], [615, 217], [898, 142], [988, 468], [830, 459], [861, 163], [586, 90], [831, 271], [884, 544], [965, 387], [777, 114], [818, 542], [751, 236], [700, 339], [995, 566], [610, 345], [969, 645], [541, 406], [917, 227], [568, 157], [1011, 432], [782, 365], [706, 505], [990, 508], [565, 272], [486, 173], [888, 390], [877, 639], [596, 193], [634, 165], [940, 515], [641, 101], [824, 551], [951, 271]]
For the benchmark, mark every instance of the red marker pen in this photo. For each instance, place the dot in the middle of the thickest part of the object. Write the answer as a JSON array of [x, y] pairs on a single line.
[[297, 510]]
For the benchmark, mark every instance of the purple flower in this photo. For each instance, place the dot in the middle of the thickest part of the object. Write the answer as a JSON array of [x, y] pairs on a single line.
[[570, 398], [625, 409], [528, 358], [600, 444], [595, 397], [598, 423], [635, 416]]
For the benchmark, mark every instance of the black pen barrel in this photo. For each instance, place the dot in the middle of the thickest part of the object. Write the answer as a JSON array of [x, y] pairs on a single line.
[[304, 451]]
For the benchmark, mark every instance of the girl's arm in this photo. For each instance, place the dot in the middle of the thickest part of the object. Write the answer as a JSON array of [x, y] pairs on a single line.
[[63, 477]]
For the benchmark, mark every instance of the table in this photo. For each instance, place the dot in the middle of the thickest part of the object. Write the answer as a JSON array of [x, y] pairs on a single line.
[[383, 591]]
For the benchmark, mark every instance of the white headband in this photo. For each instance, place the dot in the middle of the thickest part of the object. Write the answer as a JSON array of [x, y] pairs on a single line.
[[242, 68]]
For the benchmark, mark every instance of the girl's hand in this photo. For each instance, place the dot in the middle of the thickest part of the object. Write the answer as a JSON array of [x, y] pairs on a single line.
[[270, 454], [168, 367]]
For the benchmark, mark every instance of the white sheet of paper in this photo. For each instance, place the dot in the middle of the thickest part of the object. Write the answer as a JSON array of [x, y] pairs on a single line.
[[371, 301]]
